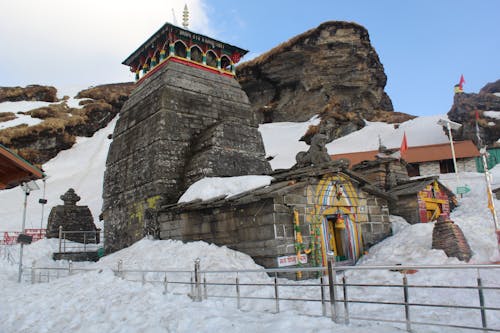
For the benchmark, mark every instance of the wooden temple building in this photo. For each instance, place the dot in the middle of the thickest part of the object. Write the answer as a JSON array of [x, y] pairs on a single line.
[[174, 44]]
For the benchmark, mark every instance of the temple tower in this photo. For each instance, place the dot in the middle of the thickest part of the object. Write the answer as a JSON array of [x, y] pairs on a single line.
[[187, 118]]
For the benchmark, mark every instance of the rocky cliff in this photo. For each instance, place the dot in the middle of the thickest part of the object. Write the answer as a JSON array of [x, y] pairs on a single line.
[[60, 123], [464, 110], [331, 70]]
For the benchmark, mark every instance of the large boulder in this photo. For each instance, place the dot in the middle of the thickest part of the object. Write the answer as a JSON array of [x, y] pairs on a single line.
[[332, 69], [487, 106]]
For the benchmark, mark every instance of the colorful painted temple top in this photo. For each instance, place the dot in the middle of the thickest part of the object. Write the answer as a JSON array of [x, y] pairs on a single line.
[[172, 43]]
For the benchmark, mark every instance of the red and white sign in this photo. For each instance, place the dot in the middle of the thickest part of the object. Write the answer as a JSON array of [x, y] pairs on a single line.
[[291, 260]]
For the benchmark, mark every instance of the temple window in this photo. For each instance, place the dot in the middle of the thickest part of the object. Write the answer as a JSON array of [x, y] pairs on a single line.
[[196, 54], [211, 59], [225, 63], [180, 49]]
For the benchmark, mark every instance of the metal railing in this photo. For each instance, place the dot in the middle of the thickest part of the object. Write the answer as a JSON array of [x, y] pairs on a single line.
[[341, 293], [79, 241]]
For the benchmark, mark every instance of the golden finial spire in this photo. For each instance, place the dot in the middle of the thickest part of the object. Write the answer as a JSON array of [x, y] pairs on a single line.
[[185, 17]]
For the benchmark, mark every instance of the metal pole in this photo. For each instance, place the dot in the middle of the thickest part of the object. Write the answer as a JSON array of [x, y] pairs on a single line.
[[60, 237], [197, 279], [332, 278], [346, 304], [407, 306], [276, 293], [43, 202], [165, 284], [481, 301], [490, 195], [453, 152], [238, 304], [323, 302], [26, 193]]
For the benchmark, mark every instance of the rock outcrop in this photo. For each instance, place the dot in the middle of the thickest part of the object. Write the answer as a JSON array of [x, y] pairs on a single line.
[[331, 70], [464, 109], [61, 124], [29, 93]]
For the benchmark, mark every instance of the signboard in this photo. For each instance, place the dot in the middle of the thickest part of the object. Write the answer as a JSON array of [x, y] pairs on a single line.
[[463, 189], [291, 260]]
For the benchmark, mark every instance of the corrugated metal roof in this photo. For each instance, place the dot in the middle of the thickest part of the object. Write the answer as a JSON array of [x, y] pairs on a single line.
[[418, 154]]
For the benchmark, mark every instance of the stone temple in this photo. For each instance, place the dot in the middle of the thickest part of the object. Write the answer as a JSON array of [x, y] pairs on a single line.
[[187, 118]]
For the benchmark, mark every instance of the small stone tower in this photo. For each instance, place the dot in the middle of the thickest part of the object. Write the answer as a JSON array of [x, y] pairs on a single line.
[[187, 118]]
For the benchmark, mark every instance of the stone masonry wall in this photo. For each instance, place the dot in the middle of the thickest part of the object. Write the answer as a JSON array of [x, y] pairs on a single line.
[[178, 126]]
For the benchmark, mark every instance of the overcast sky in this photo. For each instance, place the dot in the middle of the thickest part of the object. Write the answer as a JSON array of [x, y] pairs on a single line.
[[424, 45]]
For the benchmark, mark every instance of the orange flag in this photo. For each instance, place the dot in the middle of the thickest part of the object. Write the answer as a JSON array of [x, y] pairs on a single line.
[[404, 145]]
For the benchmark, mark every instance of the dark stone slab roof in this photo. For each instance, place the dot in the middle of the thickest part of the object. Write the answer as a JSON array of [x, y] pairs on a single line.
[[414, 186], [284, 182]]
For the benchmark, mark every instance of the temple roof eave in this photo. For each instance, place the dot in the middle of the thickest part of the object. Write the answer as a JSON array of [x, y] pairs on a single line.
[[151, 40]]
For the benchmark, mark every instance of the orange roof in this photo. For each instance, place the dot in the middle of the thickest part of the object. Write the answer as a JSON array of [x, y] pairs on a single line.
[[419, 154], [463, 149], [14, 169]]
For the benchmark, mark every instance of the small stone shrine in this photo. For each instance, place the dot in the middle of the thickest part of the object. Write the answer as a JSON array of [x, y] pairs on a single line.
[[72, 218], [448, 236]]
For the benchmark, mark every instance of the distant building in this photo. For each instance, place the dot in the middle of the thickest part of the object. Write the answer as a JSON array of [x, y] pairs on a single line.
[[427, 160]]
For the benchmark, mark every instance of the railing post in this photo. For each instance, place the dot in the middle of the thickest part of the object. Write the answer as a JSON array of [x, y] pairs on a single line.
[[406, 302], [197, 280], [33, 272], [205, 292], [60, 237], [143, 278], [70, 267], [84, 241], [238, 304], [119, 268], [165, 284], [276, 293], [323, 302], [346, 301], [481, 301], [332, 278]]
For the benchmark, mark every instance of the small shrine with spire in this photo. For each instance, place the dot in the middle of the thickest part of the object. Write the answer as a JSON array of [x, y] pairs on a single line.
[[175, 44]]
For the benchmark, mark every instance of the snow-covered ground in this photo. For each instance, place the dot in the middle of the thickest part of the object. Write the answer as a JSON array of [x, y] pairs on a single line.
[[99, 301]]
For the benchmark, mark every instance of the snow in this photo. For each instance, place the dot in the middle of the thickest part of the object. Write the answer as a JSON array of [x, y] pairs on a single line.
[[281, 139], [81, 168], [211, 187], [492, 114], [497, 94], [100, 301]]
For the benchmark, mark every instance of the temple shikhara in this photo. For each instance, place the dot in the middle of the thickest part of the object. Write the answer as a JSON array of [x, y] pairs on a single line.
[[186, 119], [173, 44]]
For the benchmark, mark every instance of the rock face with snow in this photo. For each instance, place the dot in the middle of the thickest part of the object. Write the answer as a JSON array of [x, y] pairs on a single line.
[[179, 125], [333, 64], [29, 93], [464, 110], [61, 123]]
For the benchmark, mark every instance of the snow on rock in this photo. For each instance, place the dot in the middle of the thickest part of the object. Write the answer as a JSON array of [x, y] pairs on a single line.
[[492, 114], [211, 187], [281, 141], [420, 131]]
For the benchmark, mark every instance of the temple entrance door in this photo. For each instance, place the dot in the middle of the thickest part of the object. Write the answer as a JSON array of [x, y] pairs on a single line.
[[338, 240]]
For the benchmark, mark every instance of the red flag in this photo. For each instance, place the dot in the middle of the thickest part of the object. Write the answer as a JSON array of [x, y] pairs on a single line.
[[404, 145], [461, 83]]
